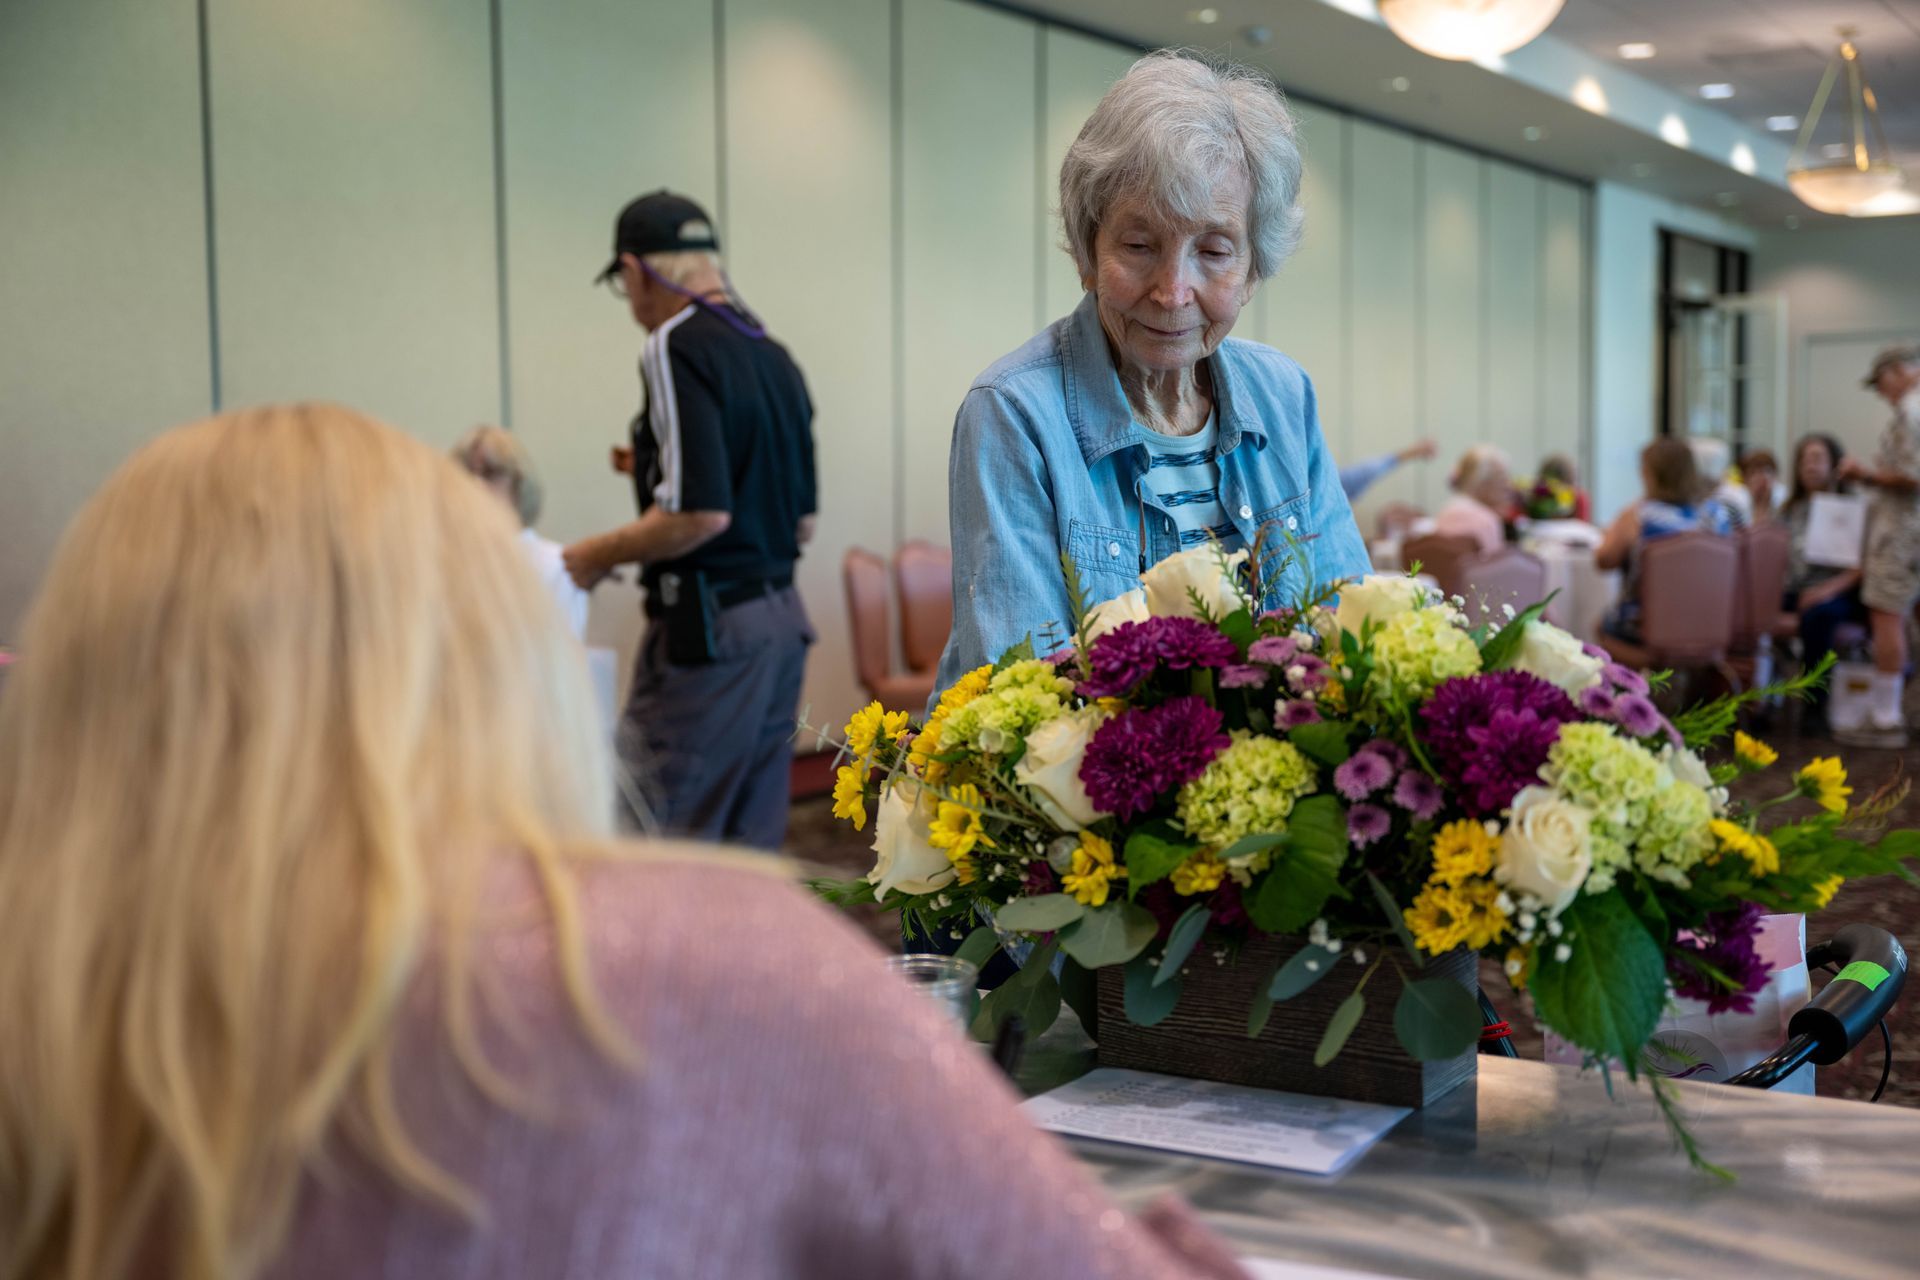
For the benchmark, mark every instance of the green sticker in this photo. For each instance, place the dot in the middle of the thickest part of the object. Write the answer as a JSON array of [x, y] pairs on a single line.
[[1865, 972]]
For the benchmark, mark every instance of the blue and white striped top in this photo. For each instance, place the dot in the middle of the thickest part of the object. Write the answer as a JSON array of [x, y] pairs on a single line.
[[1184, 475]]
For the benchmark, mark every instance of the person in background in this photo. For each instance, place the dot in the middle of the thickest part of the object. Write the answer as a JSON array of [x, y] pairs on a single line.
[[1560, 469], [1357, 478], [1711, 460], [1482, 484], [1135, 427], [498, 459], [1890, 580], [1760, 473], [723, 470], [333, 967], [1672, 503], [1824, 597]]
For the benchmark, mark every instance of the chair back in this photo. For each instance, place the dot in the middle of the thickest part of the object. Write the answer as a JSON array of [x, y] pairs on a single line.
[[923, 572], [865, 575], [1765, 549], [1689, 585], [1442, 555], [1507, 577]]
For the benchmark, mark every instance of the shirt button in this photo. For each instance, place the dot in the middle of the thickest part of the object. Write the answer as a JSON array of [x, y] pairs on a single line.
[[1113, 548], [1246, 513], [1293, 522]]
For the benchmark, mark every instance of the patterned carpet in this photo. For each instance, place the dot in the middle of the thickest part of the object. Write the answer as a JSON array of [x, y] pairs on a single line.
[[830, 847]]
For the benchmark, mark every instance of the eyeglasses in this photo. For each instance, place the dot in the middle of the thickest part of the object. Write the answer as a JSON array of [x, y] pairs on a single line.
[[618, 283]]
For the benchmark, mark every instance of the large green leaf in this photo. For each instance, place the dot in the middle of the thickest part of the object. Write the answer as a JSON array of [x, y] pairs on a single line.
[[1180, 940], [1339, 1027], [1040, 914], [1252, 844], [1304, 968], [1307, 872], [1147, 1005], [979, 947], [1238, 627], [1606, 996], [1325, 742], [1436, 1018], [1151, 857], [1032, 993], [1496, 653], [1113, 934], [1080, 990]]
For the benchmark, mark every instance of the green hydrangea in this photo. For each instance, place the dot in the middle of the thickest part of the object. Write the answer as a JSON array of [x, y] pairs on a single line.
[[1678, 834], [1614, 778], [1017, 701], [1249, 789], [1417, 650]]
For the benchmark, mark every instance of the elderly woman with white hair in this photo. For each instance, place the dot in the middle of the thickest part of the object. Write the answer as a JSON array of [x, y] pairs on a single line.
[[1482, 484], [1136, 427], [495, 457]]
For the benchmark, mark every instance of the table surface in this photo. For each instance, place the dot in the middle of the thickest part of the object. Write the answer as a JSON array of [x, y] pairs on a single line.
[[1534, 1171]]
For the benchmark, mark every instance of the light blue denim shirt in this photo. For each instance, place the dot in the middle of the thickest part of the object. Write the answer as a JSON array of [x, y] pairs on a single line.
[[1045, 459]]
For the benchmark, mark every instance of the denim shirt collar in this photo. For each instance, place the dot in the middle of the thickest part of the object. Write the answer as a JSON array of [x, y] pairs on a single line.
[[1097, 408]]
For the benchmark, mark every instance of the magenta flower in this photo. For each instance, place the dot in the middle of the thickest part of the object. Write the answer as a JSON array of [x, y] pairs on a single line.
[[1291, 713], [1132, 651], [1593, 650], [1489, 734], [1363, 774], [1418, 794], [1275, 651], [1724, 942], [1637, 716], [1039, 879], [1598, 701], [1137, 756], [1623, 678], [1242, 675], [1366, 823]]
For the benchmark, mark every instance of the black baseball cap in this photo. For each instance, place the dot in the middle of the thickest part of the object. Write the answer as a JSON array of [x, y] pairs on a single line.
[[660, 223]]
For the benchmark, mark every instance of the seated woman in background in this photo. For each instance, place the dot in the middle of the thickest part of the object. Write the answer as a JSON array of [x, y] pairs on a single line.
[[320, 961], [1482, 485], [1559, 469], [1826, 598], [502, 463], [1760, 473], [1670, 504]]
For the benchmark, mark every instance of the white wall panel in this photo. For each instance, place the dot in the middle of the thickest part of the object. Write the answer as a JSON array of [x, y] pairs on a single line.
[[809, 202], [1383, 267], [1079, 71], [1513, 313], [968, 238], [104, 337], [1453, 274], [1563, 316], [354, 206], [1303, 310], [584, 87]]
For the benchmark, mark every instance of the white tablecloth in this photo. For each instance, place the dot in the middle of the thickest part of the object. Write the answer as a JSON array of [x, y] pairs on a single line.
[[1586, 591]]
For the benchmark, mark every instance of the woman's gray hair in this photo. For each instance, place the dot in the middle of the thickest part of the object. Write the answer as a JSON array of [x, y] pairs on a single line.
[[1169, 131], [1476, 467], [494, 453]]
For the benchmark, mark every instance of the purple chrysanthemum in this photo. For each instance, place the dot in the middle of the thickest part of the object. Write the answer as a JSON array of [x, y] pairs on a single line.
[[1366, 823], [1363, 774], [1597, 700], [1308, 672], [1625, 678], [1418, 794], [1132, 651], [1275, 651], [1242, 675], [1387, 749], [1291, 713], [1137, 756], [1593, 650], [1636, 716], [1038, 879], [1490, 733], [1725, 942], [1061, 657]]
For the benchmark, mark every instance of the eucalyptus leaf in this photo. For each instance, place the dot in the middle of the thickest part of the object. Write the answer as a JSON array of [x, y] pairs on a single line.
[[1304, 968], [1339, 1027], [1079, 989], [1151, 858], [1113, 934], [1181, 938], [1032, 993], [1258, 1013], [1436, 1019], [1391, 909], [978, 947], [1148, 1005], [1042, 913]]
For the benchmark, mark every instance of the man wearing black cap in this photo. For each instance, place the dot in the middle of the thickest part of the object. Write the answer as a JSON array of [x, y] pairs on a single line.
[[722, 462]]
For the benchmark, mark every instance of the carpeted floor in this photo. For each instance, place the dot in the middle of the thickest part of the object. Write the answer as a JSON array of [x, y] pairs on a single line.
[[831, 847]]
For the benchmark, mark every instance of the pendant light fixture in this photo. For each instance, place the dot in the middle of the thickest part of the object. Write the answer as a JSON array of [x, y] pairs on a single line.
[[1862, 183], [1462, 30]]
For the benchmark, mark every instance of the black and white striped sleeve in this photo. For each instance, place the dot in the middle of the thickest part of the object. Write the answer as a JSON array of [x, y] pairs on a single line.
[[688, 429]]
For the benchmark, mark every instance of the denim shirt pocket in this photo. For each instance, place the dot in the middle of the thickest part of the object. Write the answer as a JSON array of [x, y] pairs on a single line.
[[1291, 518], [1108, 560]]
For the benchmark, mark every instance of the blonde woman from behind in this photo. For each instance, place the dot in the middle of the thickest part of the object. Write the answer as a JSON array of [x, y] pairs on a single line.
[[319, 961]]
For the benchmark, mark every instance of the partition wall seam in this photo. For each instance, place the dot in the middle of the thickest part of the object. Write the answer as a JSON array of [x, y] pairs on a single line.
[[498, 71], [1484, 382], [720, 111], [1542, 250], [1040, 316], [1347, 243], [1421, 405], [215, 390], [897, 146]]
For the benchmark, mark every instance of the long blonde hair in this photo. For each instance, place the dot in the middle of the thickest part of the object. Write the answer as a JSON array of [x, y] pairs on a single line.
[[289, 688]]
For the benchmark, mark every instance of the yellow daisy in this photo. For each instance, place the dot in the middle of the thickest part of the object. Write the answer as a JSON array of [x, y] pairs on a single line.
[[1751, 752], [957, 826], [1823, 890], [1093, 871], [1824, 781], [850, 796], [1482, 922], [1438, 918], [871, 723], [1462, 851], [1201, 873], [1759, 851]]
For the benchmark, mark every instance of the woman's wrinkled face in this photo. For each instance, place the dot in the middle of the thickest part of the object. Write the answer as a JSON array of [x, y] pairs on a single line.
[[1169, 290], [1816, 467]]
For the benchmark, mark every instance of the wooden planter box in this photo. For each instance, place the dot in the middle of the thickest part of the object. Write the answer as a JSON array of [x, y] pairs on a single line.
[[1206, 1034]]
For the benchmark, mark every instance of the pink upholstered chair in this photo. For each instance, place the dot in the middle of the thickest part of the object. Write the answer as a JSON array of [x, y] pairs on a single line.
[[865, 576], [1507, 577], [1689, 589], [923, 572], [1441, 555], [1765, 550]]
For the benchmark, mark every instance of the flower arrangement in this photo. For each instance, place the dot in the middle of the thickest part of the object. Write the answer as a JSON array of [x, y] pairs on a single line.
[[1549, 499], [1360, 767]]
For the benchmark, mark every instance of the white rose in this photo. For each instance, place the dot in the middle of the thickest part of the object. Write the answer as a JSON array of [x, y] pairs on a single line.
[[1104, 617], [1546, 849], [1556, 657], [1051, 767], [1378, 597], [905, 857], [1206, 571], [1685, 766]]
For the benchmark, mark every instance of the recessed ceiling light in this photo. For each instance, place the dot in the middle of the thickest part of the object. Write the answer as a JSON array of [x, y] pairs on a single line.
[[1640, 169], [1399, 84], [1716, 91], [1742, 158], [1638, 51], [1793, 222], [1533, 133], [1205, 17], [1783, 124], [1258, 37]]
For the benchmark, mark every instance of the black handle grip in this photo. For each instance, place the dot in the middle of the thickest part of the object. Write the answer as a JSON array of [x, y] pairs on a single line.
[[1873, 969]]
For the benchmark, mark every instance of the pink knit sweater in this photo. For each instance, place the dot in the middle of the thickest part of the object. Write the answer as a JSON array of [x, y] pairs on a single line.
[[798, 1113]]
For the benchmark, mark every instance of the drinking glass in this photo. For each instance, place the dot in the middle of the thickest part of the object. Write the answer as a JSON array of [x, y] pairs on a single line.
[[948, 981]]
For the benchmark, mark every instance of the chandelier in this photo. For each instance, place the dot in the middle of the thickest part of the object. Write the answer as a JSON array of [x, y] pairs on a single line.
[[1466, 29], [1867, 181]]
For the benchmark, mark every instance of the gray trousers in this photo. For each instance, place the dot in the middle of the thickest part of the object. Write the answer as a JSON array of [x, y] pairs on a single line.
[[710, 748]]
